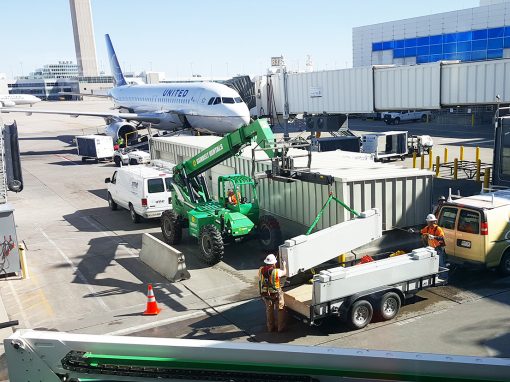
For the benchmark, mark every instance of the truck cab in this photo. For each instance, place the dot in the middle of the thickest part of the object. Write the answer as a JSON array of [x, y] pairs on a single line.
[[477, 230]]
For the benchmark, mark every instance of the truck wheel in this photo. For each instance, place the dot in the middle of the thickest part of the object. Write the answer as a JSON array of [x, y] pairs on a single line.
[[116, 160], [396, 121], [270, 234], [111, 202], [504, 264], [133, 161], [171, 227], [389, 306], [424, 118], [211, 244], [135, 218], [360, 314]]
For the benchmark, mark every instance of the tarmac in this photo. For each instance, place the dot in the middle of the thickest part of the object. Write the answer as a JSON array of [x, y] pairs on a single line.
[[85, 275]]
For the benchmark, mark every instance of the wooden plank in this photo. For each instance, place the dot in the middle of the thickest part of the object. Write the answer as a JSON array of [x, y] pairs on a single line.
[[299, 299]]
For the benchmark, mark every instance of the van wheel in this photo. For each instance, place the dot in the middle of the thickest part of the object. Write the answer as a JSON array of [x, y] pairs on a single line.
[[270, 234], [389, 306], [211, 244], [360, 314], [111, 202], [171, 227], [135, 218], [504, 264]]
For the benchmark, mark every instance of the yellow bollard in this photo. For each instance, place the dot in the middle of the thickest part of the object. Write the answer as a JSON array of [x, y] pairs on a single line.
[[487, 178], [478, 169], [477, 153], [23, 261], [445, 155], [422, 160], [414, 159], [438, 162], [461, 153], [455, 168], [341, 259], [430, 159]]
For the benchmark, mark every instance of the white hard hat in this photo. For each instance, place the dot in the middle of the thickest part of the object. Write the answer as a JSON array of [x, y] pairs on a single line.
[[431, 218], [270, 259]]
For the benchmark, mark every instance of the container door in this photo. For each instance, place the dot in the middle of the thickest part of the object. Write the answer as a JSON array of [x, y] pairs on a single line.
[[447, 221], [469, 243], [156, 193]]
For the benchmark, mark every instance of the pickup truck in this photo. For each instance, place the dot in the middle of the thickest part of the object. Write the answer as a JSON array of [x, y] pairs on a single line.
[[395, 118]]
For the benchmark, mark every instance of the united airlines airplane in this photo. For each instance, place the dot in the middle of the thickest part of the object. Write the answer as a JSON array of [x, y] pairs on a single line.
[[204, 106], [17, 99]]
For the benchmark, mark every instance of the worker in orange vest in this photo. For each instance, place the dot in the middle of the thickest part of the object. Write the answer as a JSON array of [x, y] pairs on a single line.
[[433, 236], [232, 197], [271, 292]]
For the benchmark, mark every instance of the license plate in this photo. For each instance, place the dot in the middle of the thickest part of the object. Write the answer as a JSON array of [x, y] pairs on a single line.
[[465, 244]]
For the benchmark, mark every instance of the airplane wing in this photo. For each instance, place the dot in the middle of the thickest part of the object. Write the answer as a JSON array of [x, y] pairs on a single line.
[[143, 117]]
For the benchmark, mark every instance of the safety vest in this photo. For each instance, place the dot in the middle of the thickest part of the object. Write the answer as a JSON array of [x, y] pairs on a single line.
[[435, 230], [269, 280]]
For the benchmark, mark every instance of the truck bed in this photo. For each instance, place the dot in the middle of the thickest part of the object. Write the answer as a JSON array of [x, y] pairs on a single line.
[[299, 298]]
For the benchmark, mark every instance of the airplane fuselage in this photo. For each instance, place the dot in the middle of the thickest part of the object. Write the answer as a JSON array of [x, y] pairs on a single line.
[[205, 106], [18, 99]]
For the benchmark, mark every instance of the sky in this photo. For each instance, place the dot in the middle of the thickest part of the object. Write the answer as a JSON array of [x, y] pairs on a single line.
[[219, 38]]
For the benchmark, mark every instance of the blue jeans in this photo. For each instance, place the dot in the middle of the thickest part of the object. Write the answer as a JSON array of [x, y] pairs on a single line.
[[442, 261]]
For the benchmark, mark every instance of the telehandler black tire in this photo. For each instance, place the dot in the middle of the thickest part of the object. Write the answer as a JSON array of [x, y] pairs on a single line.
[[270, 234], [171, 227], [211, 245]]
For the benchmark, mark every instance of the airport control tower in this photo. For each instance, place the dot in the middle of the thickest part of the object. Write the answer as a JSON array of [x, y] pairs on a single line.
[[84, 42]]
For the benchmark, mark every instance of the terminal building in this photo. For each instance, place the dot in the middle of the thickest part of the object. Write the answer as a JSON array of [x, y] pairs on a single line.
[[473, 34]]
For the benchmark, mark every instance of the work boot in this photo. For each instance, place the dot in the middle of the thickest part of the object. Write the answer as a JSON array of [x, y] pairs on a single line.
[[282, 320]]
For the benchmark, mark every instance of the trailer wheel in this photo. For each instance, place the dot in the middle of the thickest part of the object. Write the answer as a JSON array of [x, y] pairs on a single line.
[[270, 234], [135, 218], [504, 264], [211, 244], [83, 159], [171, 227], [389, 306], [360, 314], [111, 202], [396, 121]]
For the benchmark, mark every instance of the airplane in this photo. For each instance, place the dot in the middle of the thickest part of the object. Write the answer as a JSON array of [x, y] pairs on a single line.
[[17, 99], [203, 106]]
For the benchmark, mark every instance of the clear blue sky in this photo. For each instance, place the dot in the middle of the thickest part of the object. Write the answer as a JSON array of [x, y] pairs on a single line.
[[208, 36]]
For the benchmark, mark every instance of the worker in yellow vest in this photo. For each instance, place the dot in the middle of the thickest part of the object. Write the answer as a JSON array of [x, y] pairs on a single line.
[[272, 294]]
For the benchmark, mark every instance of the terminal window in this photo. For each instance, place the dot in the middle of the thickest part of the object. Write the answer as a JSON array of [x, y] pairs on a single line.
[[473, 45]]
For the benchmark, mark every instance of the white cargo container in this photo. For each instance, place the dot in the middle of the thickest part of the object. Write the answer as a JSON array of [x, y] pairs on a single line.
[[95, 147], [403, 195], [385, 145]]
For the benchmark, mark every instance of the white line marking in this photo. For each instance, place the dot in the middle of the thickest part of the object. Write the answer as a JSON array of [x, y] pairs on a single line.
[[155, 324], [78, 273]]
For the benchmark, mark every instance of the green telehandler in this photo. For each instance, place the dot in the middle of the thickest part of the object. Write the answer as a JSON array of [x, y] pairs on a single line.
[[236, 213]]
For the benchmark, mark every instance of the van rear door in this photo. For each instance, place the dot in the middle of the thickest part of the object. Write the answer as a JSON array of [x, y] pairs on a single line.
[[156, 193], [447, 221], [469, 242]]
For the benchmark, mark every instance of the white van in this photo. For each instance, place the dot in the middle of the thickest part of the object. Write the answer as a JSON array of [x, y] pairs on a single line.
[[143, 190]]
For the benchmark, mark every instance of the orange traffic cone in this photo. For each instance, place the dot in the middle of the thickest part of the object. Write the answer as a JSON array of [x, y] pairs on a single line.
[[152, 305]]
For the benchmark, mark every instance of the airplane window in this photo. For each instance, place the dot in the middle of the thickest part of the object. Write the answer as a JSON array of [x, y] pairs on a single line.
[[211, 101], [227, 100], [217, 101], [238, 100]]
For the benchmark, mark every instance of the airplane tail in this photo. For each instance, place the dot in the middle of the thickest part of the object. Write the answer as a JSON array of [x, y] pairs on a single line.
[[118, 77]]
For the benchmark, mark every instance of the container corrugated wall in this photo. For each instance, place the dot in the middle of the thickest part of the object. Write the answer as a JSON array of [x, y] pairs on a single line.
[[475, 82], [403, 201], [341, 91], [407, 87]]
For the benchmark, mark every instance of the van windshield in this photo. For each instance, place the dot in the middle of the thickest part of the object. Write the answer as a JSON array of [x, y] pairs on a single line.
[[155, 185], [168, 184]]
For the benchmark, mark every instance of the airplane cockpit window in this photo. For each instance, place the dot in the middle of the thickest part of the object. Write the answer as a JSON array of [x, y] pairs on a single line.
[[238, 100], [211, 101], [217, 101], [227, 100]]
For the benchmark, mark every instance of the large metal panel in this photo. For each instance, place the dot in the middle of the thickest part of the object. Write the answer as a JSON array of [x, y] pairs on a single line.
[[407, 87], [333, 91], [475, 83]]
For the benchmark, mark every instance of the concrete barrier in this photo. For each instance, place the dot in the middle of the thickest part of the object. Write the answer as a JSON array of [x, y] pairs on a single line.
[[164, 259]]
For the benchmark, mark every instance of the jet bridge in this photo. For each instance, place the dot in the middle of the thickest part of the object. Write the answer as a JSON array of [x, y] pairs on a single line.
[[56, 357]]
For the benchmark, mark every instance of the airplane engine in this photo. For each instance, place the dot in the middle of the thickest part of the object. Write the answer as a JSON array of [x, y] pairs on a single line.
[[121, 129], [7, 104]]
